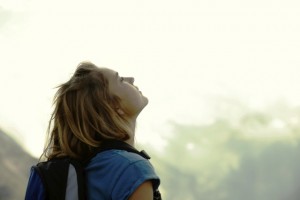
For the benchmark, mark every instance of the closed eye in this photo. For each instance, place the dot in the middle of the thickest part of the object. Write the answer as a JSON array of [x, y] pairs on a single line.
[[119, 77]]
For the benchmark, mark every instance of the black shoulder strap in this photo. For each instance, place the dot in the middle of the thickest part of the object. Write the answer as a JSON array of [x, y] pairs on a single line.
[[80, 178], [120, 145], [54, 175]]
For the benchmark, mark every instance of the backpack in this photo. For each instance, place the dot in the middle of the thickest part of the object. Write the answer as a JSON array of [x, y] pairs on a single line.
[[63, 178]]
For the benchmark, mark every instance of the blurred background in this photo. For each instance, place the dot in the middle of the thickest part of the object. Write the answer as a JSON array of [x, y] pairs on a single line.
[[222, 78]]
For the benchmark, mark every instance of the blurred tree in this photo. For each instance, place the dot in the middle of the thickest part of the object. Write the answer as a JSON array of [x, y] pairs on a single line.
[[253, 155]]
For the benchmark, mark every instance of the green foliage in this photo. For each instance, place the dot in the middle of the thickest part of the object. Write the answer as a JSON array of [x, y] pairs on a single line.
[[253, 155]]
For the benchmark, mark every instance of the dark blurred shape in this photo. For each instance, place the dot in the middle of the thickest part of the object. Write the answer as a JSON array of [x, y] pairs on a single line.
[[15, 164]]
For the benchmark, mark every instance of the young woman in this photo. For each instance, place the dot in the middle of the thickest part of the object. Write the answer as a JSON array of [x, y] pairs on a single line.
[[95, 106]]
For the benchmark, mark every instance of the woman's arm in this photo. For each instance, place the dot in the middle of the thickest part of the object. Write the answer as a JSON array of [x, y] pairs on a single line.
[[143, 192]]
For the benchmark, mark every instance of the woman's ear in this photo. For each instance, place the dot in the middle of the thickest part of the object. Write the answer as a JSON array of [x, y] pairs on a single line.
[[120, 111]]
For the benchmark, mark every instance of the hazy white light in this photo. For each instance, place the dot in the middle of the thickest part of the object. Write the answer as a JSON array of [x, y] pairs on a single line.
[[294, 120], [190, 146], [180, 52], [278, 124]]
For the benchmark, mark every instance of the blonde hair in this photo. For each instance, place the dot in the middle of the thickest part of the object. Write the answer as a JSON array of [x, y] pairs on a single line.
[[84, 115]]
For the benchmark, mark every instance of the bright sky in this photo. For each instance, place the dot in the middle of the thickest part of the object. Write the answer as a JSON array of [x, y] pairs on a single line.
[[181, 53]]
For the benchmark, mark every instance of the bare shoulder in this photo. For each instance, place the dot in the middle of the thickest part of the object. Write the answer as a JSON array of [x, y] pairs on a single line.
[[143, 192]]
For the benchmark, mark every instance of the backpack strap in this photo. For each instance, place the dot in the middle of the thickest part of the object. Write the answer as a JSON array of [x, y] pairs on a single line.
[[79, 169], [120, 145], [54, 173], [56, 176]]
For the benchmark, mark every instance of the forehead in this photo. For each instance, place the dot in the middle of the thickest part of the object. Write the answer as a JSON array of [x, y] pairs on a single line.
[[108, 73]]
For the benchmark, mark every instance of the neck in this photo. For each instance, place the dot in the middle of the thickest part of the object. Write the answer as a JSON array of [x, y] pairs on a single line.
[[132, 123]]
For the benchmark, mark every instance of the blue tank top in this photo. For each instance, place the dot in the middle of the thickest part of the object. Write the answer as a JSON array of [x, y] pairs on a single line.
[[116, 174]]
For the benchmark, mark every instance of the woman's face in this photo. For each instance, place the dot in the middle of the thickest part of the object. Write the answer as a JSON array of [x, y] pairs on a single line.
[[132, 100]]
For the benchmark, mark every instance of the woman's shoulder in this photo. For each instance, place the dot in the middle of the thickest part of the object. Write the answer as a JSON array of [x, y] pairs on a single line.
[[115, 162], [120, 172], [118, 157]]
